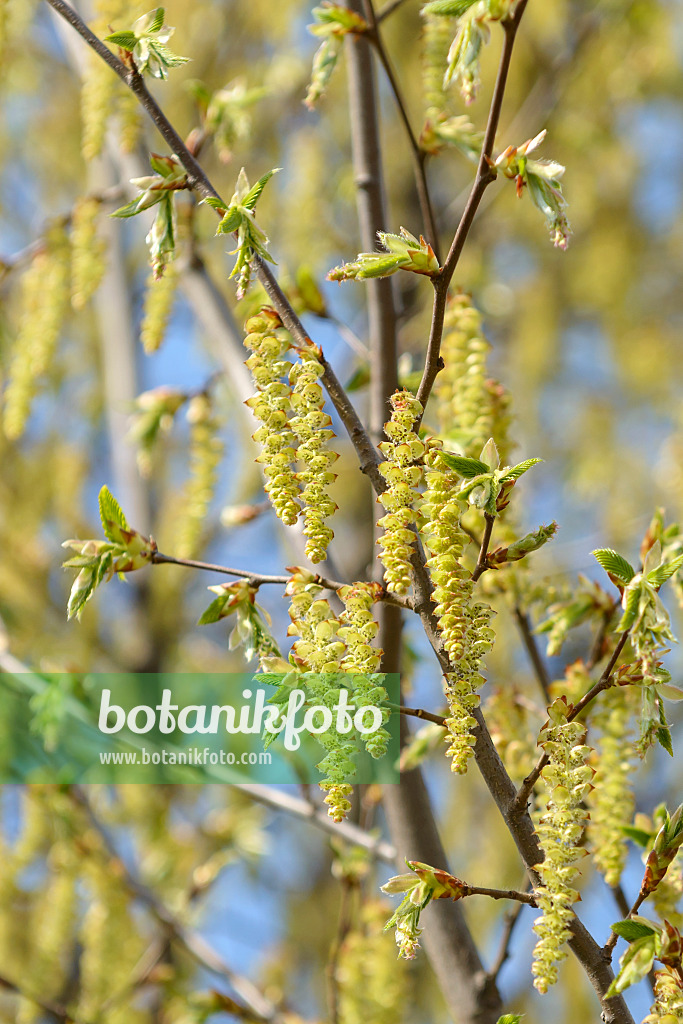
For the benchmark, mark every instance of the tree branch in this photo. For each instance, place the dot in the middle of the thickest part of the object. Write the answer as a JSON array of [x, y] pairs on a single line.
[[257, 1004], [482, 565], [483, 179], [282, 800], [417, 155], [529, 641], [411, 818], [258, 579], [603, 683], [199, 181]]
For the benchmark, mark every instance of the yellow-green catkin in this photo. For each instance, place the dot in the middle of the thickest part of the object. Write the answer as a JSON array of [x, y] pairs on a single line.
[[612, 802], [463, 622], [97, 94], [361, 659], [45, 297], [507, 717], [568, 780], [359, 628], [668, 1005], [403, 474], [470, 408], [52, 927], [321, 650], [4, 26], [271, 405], [129, 115], [666, 898], [206, 451], [369, 986], [311, 427], [107, 926], [157, 308], [87, 252], [436, 41], [100, 87]]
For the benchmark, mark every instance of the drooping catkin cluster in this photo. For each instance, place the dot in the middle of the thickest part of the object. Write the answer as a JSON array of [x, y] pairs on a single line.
[[358, 631], [668, 1005], [560, 828], [470, 408], [271, 405], [290, 405], [320, 650], [328, 646], [370, 987], [311, 427], [206, 450], [359, 628], [611, 801], [87, 252], [436, 41], [160, 295], [464, 623], [45, 298], [403, 476]]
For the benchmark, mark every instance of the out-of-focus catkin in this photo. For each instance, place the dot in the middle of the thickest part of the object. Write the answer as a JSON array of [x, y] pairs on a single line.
[[160, 295], [45, 294], [87, 252], [470, 407], [612, 802], [436, 41], [206, 451]]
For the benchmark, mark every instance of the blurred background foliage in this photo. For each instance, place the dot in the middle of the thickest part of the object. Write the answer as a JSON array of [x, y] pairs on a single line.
[[587, 341]]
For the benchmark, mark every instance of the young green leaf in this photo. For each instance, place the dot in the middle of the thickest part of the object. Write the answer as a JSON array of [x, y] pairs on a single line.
[[126, 40], [448, 8], [252, 196], [467, 468], [214, 612], [110, 512], [657, 577], [632, 930], [519, 469], [614, 564]]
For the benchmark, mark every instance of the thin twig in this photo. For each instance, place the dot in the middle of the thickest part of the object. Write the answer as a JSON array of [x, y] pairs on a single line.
[[425, 716], [525, 898], [482, 565], [51, 1008], [509, 922], [603, 683], [332, 966], [417, 154], [529, 641], [258, 579], [612, 940], [389, 8], [484, 176]]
